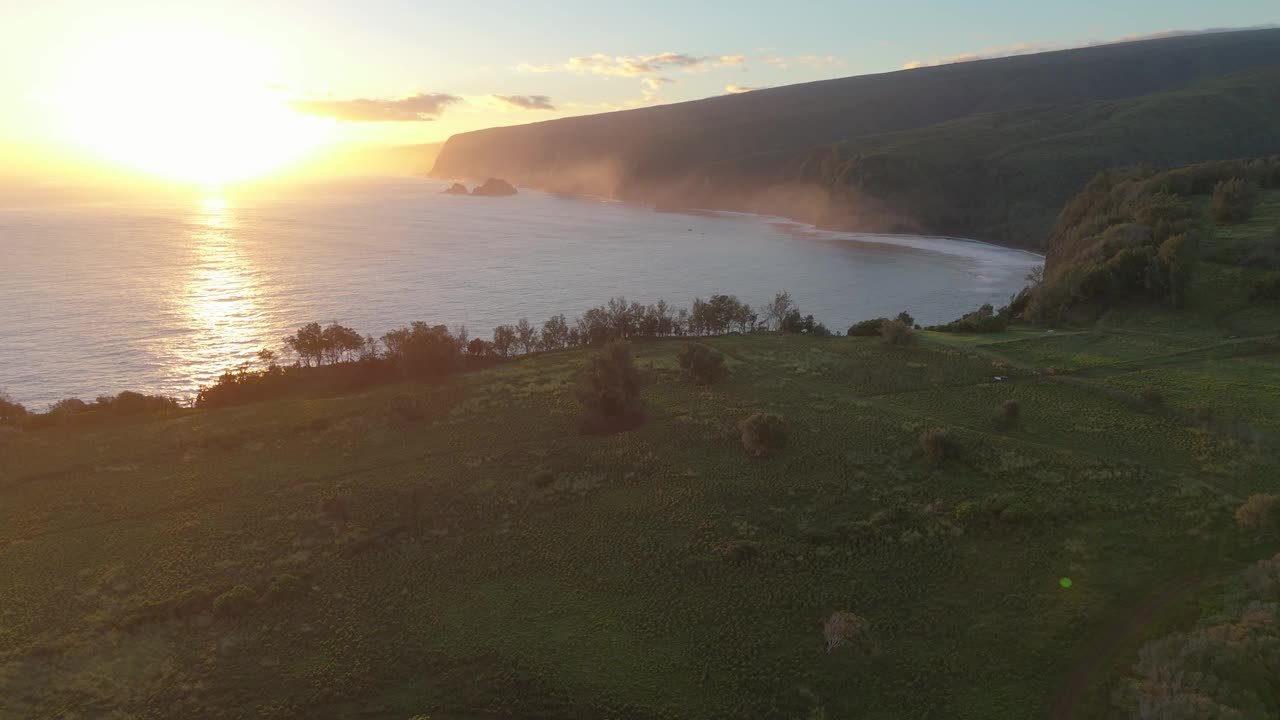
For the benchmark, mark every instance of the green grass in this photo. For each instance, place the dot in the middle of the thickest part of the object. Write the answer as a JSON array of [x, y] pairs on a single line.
[[496, 563], [602, 592]]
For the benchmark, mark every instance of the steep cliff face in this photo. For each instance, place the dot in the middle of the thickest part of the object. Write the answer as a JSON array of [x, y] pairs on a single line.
[[747, 151]]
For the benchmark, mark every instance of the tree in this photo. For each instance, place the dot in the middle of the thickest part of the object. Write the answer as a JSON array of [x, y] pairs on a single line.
[[422, 350], [555, 333], [897, 333], [339, 343], [777, 311], [478, 348], [1233, 200], [905, 318], [609, 390], [307, 343], [504, 340], [526, 336], [1177, 259], [763, 434]]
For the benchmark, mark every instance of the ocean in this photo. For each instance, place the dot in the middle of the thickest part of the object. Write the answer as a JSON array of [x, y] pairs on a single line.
[[160, 295]]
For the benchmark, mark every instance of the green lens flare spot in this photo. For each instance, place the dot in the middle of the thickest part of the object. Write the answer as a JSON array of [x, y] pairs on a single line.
[[1065, 582]]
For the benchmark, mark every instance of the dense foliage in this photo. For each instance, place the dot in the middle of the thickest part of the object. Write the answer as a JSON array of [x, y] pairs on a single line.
[[703, 364], [1135, 234], [763, 434]]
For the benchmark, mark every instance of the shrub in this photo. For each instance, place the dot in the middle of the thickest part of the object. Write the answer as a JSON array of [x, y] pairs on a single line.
[[405, 411], [282, 587], [235, 602], [867, 328], [1008, 414], [1152, 397], [703, 364], [11, 413], [983, 320], [132, 403], [609, 390], [905, 318], [897, 333], [1267, 288], [937, 445], [1264, 578], [763, 434], [847, 629], [69, 406], [1260, 513], [736, 551], [1233, 200]]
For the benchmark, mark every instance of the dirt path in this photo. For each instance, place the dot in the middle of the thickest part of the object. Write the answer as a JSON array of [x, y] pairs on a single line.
[[1116, 637]]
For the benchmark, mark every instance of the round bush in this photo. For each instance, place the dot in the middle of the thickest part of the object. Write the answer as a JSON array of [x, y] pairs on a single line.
[[1260, 513], [847, 629], [763, 434], [897, 333], [702, 363]]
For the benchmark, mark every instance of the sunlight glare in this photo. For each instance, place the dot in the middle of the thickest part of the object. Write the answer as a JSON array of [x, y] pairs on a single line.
[[189, 107]]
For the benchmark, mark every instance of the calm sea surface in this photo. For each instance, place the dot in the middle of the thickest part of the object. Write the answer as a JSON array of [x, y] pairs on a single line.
[[161, 296]]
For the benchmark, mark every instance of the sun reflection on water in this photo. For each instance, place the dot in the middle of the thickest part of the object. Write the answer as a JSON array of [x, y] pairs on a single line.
[[221, 298]]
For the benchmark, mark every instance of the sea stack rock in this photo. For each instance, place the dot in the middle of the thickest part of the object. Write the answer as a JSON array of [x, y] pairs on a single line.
[[494, 187], [457, 189]]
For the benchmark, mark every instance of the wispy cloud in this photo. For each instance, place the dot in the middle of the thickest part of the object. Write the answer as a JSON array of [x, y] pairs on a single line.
[[1027, 48], [653, 83], [525, 102], [735, 89], [415, 108], [814, 61], [636, 65], [819, 61]]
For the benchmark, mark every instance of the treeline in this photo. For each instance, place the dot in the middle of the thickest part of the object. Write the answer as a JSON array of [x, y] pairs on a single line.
[[75, 410], [336, 357], [1136, 233]]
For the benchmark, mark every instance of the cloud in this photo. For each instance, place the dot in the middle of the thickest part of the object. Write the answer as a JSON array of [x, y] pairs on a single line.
[[1028, 48], [636, 65], [735, 89], [420, 107], [819, 61], [653, 83], [813, 61], [525, 102]]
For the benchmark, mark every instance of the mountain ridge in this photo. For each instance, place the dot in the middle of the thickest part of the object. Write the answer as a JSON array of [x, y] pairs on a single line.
[[718, 152]]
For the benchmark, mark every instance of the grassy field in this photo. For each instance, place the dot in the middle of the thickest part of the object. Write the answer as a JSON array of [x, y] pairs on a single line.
[[497, 563], [324, 557]]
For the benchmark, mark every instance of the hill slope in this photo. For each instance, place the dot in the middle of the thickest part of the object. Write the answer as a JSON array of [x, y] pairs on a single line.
[[723, 151], [325, 557]]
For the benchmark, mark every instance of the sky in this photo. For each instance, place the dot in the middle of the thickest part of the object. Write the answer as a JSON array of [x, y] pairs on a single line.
[[233, 87]]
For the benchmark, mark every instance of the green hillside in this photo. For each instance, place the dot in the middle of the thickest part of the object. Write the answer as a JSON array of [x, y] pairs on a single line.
[[335, 556], [985, 149], [1004, 176]]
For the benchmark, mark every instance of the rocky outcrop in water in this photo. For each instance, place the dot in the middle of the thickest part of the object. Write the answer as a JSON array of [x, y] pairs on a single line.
[[457, 189], [494, 187]]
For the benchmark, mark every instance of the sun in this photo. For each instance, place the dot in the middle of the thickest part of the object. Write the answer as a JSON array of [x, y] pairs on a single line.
[[183, 106]]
